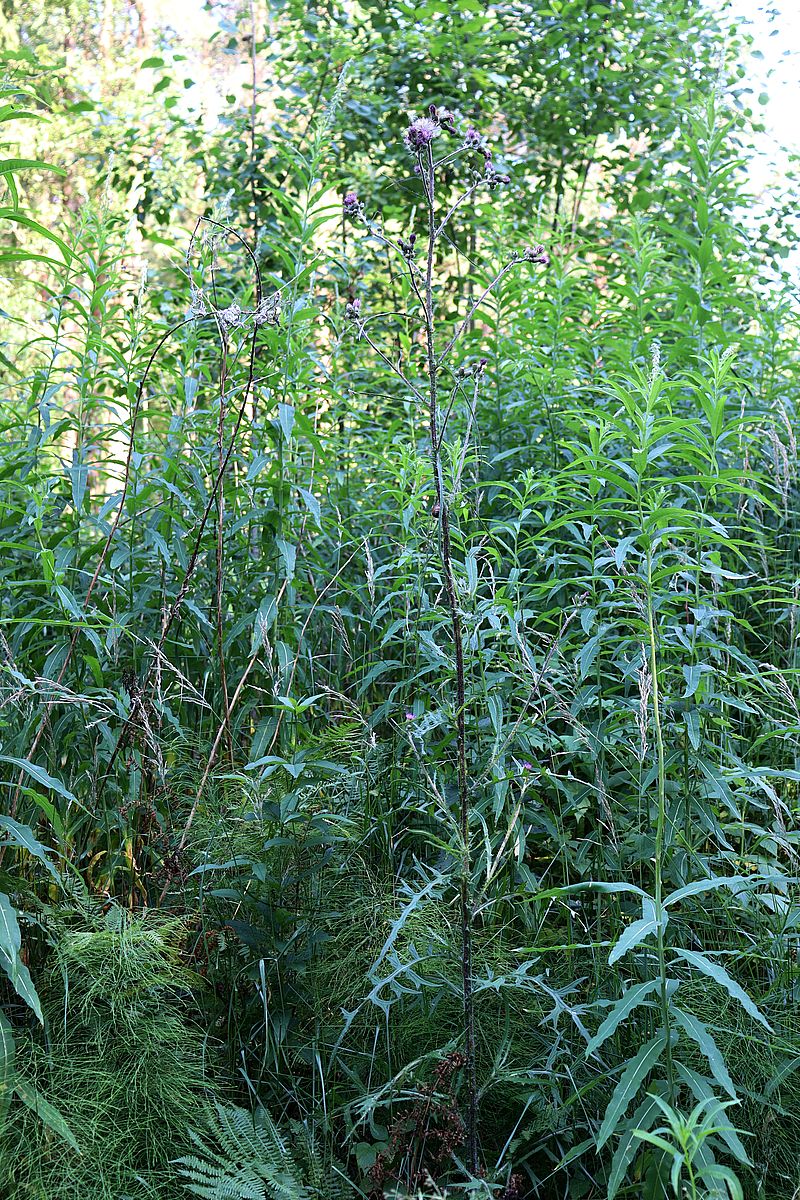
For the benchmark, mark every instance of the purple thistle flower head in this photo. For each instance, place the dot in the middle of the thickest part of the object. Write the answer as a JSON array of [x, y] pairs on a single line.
[[536, 254], [420, 134], [352, 310], [472, 139], [410, 716], [351, 205]]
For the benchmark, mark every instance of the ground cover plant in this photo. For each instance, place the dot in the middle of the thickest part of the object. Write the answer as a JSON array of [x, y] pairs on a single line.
[[399, 594]]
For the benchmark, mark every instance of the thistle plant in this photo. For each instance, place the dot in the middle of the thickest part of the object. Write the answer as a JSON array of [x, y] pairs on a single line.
[[435, 143], [442, 674]]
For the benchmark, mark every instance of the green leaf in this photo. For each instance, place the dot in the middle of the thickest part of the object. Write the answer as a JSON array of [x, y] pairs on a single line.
[[693, 674], [10, 214], [699, 1033], [289, 555], [718, 786], [471, 566], [592, 885], [23, 837], [716, 1172], [46, 1111], [782, 1073], [79, 475], [642, 1119], [628, 1085], [10, 961], [702, 1090], [8, 165], [718, 973], [286, 419], [707, 885], [7, 1068], [691, 720], [655, 1139], [312, 504], [630, 999], [589, 653], [41, 776], [622, 548], [263, 621], [634, 935]]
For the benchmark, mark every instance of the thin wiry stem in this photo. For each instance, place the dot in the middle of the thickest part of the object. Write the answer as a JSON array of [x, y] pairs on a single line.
[[392, 366], [467, 435], [455, 207], [410, 267], [474, 306]]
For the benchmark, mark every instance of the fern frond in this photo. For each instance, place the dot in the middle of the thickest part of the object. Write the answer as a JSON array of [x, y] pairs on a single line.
[[251, 1161]]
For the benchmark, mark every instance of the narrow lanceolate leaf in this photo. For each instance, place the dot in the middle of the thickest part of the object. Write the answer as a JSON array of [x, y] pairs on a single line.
[[10, 961], [634, 935], [699, 1033], [707, 885], [622, 1010], [733, 1187], [633, 1075], [781, 1075], [718, 973], [23, 837], [691, 720], [591, 885], [7, 1068], [8, 165], [11, 214], [702, 1089], [644, 1116], [40, 775], [46, 1112]]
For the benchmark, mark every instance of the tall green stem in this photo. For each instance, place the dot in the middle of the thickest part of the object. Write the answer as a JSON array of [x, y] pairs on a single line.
[[661, 816], [458, 649]]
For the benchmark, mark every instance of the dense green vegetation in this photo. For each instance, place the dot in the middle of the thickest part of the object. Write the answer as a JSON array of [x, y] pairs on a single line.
[[399, 591]]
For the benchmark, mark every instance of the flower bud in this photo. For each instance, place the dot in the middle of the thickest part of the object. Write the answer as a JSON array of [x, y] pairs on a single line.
[[536, 254]]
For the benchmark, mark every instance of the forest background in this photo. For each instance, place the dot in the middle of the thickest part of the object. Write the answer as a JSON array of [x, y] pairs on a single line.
[[398, 604]]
